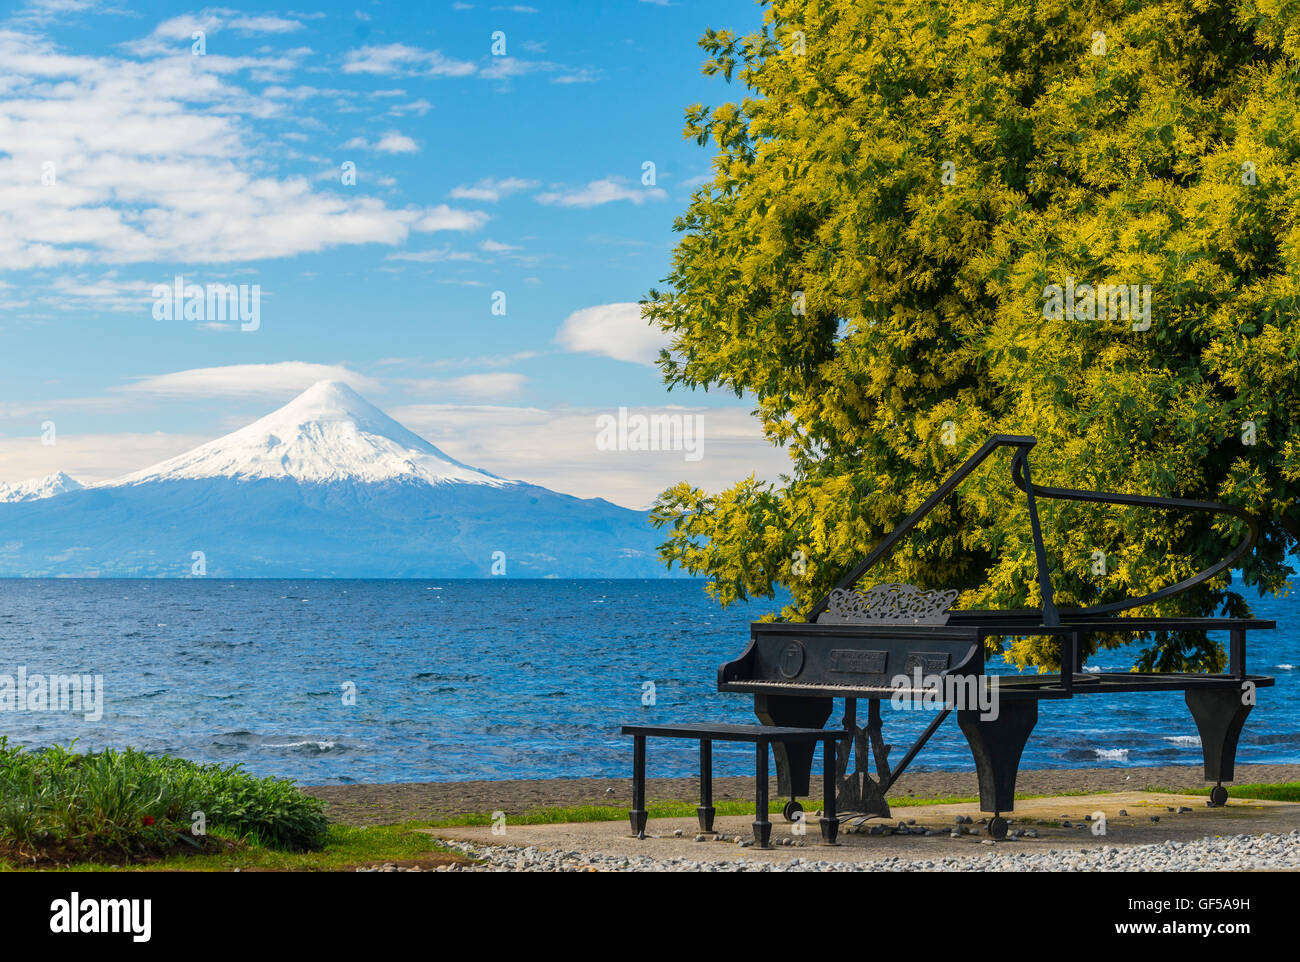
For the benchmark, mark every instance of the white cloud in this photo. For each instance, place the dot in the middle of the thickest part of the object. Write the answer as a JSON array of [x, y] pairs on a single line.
[[418, 107], [557, 448], [583, 76], [482, 360], [613, 330], [492, 386], [91, 457], [272, 381], [443, 217], [507, 68], [176, 34], [40, 11], [434, 255], [396, 143], [399, 58], [601, 192], [393, 142], [153, 161], [264, 25], [107, 292], [491, 191]]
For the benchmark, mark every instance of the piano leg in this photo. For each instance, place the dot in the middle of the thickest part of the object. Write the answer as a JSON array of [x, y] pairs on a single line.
[[793, 762], [858, 791], [873, 789], [830, 820], [1219, 716], [997, 745]]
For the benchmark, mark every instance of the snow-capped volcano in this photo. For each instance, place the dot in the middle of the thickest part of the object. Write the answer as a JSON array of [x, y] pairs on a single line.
[[38, 488], [327, 433], [328, 486]]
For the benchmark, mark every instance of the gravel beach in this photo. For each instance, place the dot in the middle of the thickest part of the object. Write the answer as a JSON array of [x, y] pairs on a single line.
[[1225, 854]]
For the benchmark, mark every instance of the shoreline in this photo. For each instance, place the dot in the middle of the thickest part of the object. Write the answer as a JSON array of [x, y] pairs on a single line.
[[397, 802]]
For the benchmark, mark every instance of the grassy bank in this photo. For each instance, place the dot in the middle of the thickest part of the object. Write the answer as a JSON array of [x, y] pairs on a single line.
[[109, 811], [58, 806], [343, 848]]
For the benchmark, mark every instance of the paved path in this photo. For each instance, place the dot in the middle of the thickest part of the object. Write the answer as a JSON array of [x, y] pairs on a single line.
[[1043, 816], [386, 804]]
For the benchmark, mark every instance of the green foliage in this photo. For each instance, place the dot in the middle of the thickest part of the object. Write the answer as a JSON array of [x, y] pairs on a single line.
[[54, 801], [925, 301]]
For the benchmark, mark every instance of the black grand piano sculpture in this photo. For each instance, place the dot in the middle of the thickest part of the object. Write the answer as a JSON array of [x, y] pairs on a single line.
[[855, 644]]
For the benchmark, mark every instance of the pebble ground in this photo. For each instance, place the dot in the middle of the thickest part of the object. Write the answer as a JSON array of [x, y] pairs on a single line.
[[1234, 853]]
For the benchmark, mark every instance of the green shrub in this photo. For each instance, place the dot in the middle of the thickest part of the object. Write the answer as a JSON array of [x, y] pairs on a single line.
[[56, 803]]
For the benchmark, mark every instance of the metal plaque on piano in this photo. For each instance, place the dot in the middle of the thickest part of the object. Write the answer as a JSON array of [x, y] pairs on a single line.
[[930, 662], [854, 661]]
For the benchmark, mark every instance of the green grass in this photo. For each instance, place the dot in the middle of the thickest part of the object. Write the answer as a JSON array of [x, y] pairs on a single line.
[[1281, 792], [59, 805], [609, 813], [598, 813], [343, 848]]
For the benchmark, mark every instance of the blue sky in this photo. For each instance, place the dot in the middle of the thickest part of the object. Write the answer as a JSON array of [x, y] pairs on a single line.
[[476, 173]]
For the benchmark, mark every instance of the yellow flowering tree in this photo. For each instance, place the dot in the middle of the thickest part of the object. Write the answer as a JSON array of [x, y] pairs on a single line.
[[930, 223]]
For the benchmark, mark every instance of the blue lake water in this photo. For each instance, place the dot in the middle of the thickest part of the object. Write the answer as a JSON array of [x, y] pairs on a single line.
[[491, 679]]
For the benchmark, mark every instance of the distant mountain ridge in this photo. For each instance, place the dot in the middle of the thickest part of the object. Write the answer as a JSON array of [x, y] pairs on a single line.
[[38, 488], [326, 486]]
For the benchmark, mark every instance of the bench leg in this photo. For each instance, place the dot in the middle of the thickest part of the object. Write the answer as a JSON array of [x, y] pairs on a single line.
[[830, 820], [637, 816], [762, 827], [705, 810]]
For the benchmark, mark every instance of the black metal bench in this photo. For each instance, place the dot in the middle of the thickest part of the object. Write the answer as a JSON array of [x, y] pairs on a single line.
[[762, 736]]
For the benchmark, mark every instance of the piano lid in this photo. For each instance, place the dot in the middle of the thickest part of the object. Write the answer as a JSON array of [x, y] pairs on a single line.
[[905, 603]]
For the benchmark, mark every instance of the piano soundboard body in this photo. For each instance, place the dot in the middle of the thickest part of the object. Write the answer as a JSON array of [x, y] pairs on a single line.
[[896, 642], [856, 661]]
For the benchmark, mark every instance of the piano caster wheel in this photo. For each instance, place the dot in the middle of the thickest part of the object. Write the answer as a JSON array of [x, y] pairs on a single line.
[[1218, 796], [998, 827], [792, 808]]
